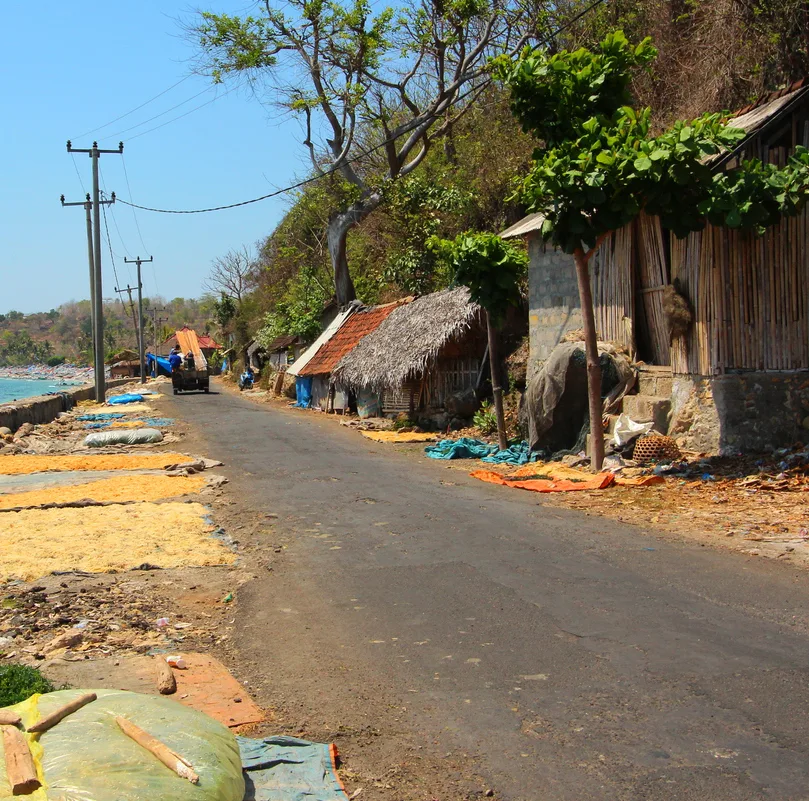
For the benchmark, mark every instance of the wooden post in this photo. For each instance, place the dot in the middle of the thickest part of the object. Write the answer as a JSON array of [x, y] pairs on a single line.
[[593, 364], [497, 390]]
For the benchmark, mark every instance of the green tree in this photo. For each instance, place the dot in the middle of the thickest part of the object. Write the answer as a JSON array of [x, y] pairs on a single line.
[[493, 269], [598, 165], [373, 91]]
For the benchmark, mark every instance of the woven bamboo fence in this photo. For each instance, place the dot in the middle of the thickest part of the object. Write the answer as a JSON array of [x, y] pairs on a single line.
[[613, 285]]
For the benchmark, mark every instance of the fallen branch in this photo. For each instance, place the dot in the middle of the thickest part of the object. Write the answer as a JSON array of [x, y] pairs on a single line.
[[20, 769], [49, 721], [171, 760]]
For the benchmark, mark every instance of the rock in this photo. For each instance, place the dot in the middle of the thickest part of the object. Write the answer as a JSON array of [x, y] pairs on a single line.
[[66, 640], [4, 431], [462, 404]]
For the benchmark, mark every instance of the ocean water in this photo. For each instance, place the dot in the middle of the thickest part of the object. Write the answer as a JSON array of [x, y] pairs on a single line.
[[19, 388]]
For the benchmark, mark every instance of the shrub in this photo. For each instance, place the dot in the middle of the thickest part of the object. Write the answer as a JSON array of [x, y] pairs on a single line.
[[19, 682], [485, 419]]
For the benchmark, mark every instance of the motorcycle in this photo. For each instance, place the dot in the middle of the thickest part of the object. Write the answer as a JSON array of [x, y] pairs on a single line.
[[245, 381]]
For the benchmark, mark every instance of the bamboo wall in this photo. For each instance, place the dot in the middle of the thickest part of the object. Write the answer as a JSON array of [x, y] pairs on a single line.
[[612, 276], [750, 297]]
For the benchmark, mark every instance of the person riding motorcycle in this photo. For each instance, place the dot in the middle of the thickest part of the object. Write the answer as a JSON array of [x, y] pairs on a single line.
[[246, 379]]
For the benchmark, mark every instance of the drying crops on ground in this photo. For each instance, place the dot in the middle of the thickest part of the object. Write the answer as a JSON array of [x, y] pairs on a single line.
[[35, 542], [119, 489], [25, 463]]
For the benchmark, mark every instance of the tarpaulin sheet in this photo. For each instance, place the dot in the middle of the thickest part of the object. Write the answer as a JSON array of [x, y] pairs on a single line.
[[158, 363], [547, 478], [101, 416], [129, 397], [469, 448], [303, 392], [288, 769]]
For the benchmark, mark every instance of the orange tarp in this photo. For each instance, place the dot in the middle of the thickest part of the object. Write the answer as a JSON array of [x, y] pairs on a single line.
[[545, 483]]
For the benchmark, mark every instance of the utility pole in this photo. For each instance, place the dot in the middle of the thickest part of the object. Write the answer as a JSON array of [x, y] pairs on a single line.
[[131, 305], [94, 152], [88, 205], [155, 322], [141, 351]]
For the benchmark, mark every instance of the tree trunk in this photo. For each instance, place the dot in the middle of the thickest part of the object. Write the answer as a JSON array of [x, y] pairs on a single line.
[[497, 390], [593, 364], [337, 234]]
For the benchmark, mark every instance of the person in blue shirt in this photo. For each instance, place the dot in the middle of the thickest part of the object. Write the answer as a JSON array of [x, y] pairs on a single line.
[[175, 360]]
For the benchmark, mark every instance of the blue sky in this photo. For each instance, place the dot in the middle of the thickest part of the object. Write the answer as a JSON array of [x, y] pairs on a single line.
[[71, 67]]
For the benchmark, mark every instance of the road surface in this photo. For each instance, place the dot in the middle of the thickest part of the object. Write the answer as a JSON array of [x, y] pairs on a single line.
[[561, 656]]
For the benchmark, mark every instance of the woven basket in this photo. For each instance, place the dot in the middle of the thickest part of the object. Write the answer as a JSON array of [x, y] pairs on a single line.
[[655, 448]]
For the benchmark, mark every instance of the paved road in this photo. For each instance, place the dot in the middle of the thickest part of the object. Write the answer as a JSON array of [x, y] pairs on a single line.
[[570, 657]]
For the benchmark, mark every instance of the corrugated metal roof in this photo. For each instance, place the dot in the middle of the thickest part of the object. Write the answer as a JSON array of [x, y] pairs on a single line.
[[346, 339], [527, 225], [330, 330]]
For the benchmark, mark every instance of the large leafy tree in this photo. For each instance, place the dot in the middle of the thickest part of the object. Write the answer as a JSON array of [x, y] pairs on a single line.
[[492, 269], [373, 90], [598, 165]]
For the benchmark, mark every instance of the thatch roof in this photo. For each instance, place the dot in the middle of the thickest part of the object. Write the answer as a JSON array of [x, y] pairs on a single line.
[[125, 355], [408, 340]]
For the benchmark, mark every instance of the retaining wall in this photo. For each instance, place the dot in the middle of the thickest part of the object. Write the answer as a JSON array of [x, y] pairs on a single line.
[[45, 408]]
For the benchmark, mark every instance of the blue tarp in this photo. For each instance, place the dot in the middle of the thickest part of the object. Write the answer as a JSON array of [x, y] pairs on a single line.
[[469, 448], [288, 769], [303, 391], [158, 363], [129, 397]]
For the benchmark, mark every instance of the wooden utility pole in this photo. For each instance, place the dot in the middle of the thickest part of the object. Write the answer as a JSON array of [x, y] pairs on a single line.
[[129, 289], [155, 322], [141, 350], [94, 152], [88, 206], [497, 389]]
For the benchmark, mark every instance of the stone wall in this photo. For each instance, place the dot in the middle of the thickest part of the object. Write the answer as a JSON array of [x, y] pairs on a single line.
[[45, 408], [554, 307], [741, 412]]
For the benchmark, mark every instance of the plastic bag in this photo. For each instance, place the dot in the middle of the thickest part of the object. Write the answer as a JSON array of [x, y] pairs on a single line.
[[86, 757], [132, 436], [626, 430]]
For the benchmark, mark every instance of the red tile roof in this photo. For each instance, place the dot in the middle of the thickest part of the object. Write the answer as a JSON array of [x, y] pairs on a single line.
[[346, 339], [206, 341]]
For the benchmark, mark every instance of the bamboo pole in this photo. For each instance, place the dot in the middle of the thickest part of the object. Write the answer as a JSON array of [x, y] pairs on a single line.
[[49, 721]]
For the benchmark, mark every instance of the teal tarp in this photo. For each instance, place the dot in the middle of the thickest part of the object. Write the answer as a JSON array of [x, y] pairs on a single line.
[[469, 448], [288, 769], [130, 397]]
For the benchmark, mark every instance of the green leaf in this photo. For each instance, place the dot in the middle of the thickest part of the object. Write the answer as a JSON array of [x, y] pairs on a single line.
[[643, 164]]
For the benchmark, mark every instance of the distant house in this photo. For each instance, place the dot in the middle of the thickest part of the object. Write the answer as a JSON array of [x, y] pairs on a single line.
[[125, 369], [420, 355], [738, 378]]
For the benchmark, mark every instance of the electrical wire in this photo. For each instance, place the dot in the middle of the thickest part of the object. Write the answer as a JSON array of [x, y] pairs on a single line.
[[162, 113], [332, 170], [180, 116], [134, 213], [76, 167], [137, 108], [109, 244]]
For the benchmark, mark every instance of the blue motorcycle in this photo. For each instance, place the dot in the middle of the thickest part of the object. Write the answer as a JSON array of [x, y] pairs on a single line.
[[246, 381]]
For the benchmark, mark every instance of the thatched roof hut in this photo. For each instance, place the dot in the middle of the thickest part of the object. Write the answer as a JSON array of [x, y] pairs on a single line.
[[409, 341]]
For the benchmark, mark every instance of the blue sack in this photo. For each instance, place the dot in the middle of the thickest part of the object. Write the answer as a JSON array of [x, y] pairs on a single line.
[[303, 391], [115, 400]]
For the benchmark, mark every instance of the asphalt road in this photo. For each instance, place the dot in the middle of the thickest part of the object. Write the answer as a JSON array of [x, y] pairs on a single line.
[[569, 657]]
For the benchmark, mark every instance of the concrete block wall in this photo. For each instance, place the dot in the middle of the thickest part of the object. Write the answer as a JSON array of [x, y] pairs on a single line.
[[45, 408], [554, 307]]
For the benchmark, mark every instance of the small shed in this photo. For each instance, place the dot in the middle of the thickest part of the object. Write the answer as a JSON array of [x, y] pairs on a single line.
[[423, 352], [738, 378], [283, 350], [128, 368]]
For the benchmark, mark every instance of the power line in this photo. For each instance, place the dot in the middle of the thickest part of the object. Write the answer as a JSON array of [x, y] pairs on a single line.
[[76, 167], [162, 113], [180, 116], [332, 170], [137, 108], [134, 213], [109, 244]]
